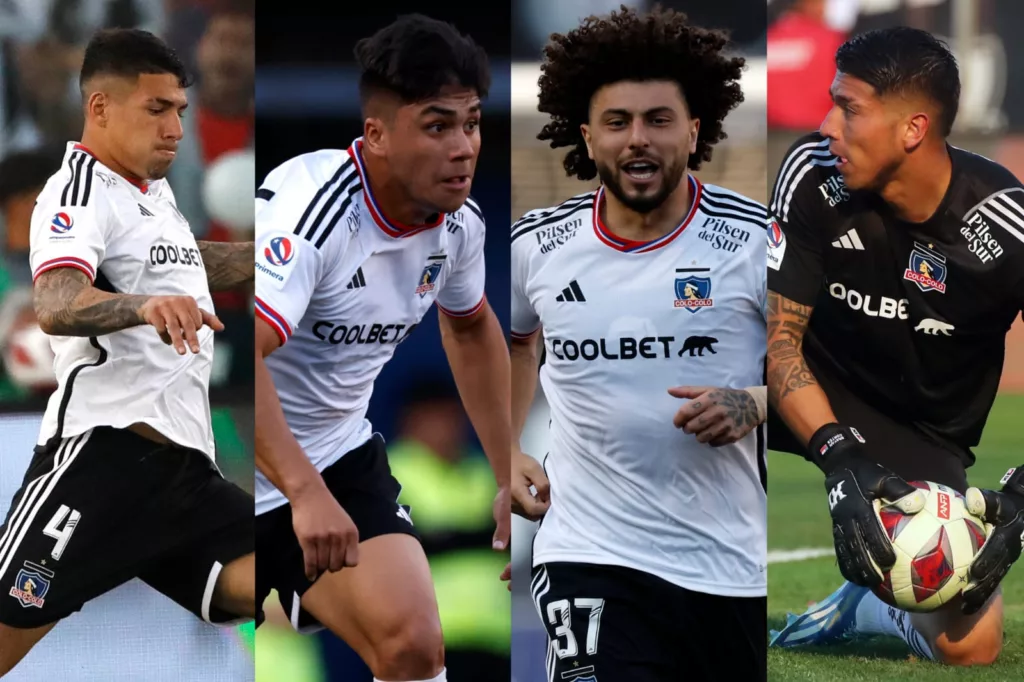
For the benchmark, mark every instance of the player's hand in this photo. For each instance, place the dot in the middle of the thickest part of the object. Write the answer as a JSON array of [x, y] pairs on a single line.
[[327, 535], [506, 575], [718, 416], [502, 519], [1003, 514], [526, 472], [863, 549], [177, 319]]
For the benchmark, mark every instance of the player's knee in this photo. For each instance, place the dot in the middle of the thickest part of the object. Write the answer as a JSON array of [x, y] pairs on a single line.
[[413, 650], [976, 649]]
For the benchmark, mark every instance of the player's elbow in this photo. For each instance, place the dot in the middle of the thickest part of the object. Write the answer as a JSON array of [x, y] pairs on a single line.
[[47, 320]]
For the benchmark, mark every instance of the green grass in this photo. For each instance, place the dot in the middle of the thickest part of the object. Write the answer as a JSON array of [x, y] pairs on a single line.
[[798, 517]]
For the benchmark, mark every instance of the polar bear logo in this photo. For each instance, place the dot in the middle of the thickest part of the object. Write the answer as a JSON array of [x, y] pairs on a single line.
[[934, 327], [697, 345]]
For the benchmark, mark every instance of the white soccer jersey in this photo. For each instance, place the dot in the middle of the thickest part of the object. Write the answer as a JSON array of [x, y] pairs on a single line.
[[623, 322], [128, 239], [342, 285]]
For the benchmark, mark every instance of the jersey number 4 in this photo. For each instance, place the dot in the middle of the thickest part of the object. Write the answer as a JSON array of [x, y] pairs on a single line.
[[560, 615], [62, 535]]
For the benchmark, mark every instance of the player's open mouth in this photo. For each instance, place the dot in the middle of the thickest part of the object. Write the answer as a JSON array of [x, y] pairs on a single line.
[[640, 170], [457, 182]]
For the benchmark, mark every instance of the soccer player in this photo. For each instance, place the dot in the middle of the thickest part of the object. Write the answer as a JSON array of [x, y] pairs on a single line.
[[123, 483], [353, 248], [649, 563], [896, 268]]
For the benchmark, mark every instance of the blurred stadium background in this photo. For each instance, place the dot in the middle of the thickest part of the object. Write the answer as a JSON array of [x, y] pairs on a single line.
[[307, 99], [802, 38], [538, 180], [132, 633]]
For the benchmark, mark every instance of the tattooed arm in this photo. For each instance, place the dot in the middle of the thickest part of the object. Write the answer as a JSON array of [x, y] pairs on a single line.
[[792, 389], [66, 304], [228, 264]]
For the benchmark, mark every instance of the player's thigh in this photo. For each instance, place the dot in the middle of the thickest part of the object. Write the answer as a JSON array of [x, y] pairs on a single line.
[[209, 564], [389, 595], [15, 643], [80, 525], [959, 639], [600, 624], [717, 637]]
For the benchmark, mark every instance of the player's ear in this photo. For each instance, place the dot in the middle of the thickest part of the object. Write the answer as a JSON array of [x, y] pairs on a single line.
[[915, 130], [585, 130], [98, 107], [374, 135], [694, 130]]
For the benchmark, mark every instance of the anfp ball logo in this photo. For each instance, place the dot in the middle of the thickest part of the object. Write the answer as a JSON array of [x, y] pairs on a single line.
[[279, 252], [943, 506], [61, 223], [775, 235]]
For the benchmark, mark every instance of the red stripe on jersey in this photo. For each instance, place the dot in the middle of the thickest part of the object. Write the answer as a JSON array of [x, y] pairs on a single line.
[[274, 319], [523, 337], [389, 227], [618, 243], [464, 313], [66, 262]]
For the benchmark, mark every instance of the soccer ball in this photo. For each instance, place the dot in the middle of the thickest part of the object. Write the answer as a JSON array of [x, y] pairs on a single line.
[[934, 549]]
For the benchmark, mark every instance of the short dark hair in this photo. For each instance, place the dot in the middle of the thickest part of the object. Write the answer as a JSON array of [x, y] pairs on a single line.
[[627, 46], [129, 53], [903, 60], [27, 170], [416, 56]]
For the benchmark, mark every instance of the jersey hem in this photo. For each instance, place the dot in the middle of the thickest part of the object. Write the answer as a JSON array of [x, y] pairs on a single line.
[[66, 262], [463, 313], [274, 319], [687, 584]]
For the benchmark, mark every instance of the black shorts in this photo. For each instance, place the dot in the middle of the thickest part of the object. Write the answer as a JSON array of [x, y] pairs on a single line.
[[614, 624], [362, 483], [898, 446], [106, 506]]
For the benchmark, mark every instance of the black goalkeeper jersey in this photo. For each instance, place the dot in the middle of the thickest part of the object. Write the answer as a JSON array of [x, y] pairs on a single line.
[[909, 317]]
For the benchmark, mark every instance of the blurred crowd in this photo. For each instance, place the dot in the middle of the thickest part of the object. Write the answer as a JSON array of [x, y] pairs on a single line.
[[41, 48]]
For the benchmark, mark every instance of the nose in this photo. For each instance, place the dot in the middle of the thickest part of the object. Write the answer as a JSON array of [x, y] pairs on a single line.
[[829, 126], [173, 128], [462, 147], [638, 137]]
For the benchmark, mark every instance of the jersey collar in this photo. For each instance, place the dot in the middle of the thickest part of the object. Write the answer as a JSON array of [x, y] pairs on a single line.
[[630, 246], [387, 226], [142, 186]]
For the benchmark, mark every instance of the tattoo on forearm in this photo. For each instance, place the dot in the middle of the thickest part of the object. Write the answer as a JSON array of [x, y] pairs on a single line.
[[787, 369], [67, 304], [228, 264]]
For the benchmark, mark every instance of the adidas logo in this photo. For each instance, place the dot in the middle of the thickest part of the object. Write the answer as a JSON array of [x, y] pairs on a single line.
[[358, 280], [571, 293], [145, 211], [850, 240]]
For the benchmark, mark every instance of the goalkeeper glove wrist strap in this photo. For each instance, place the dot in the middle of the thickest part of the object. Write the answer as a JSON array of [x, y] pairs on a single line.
[[833, 444], [1013, 483]]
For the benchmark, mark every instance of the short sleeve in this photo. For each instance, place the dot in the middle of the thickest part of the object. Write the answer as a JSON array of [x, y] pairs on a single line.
[[463, 291], [795, 261], [66, 233], [288, 267], [525, 321]]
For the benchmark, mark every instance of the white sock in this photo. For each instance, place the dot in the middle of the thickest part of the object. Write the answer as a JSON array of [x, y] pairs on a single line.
[[875, 617], [441, 677]]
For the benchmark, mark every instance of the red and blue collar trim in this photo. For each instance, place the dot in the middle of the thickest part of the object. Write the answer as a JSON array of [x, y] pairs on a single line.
[[630, 246], [142, 186], [387, 226]]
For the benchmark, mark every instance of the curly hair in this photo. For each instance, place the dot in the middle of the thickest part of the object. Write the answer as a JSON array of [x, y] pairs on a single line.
[[627, 46]]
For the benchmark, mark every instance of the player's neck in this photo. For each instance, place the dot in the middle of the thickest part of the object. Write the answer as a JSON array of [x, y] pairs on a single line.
[[644, 227], [391, 197], [98, 148], [920, 185]]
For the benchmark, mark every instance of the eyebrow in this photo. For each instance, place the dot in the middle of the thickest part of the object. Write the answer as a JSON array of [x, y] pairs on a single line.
[[167, 103], [839, 98], [438, 110], [627, 113]]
